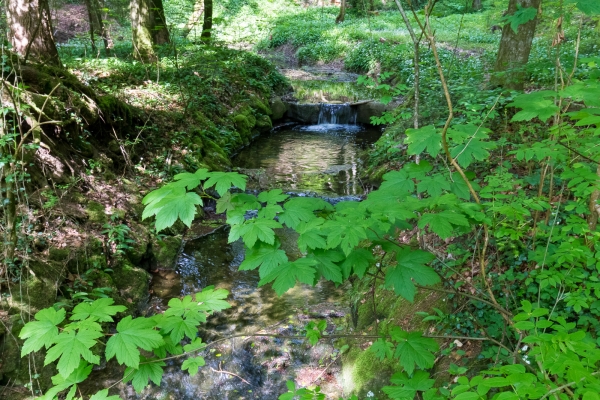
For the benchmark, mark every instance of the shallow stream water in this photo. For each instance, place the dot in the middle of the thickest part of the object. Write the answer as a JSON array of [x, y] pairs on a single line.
[[319, 160]]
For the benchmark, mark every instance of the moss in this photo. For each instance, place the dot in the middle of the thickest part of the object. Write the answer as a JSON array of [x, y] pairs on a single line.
[[214, 156], [132, 284], [34, 295], [278, 107], [166, 251], [264, 124], [363, 371], [95, 212], [242, 125], [257, 104]]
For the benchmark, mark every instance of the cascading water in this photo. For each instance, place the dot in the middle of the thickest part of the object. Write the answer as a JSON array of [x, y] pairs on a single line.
[[341, 114]]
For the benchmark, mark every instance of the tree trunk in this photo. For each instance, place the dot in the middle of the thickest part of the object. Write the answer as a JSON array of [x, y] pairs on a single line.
[[514, 50], [142, 23], [97, 19], [476, 5], [92, 20], [342, 15], [194, 18], [31, 30], [208, 18], [161, 32]]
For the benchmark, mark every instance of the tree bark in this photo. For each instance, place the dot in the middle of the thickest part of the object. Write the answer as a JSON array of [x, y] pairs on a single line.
[[92, 20], [476, 5], [514, 50], [208, 20], [194, 18], [31, 30], [342, 15], [161, 32], [97, 25]]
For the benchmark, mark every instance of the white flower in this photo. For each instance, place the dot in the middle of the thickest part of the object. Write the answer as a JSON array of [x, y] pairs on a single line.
[[370, 394]]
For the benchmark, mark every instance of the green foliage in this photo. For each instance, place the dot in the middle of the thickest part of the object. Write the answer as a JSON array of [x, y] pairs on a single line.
[[520, 16]]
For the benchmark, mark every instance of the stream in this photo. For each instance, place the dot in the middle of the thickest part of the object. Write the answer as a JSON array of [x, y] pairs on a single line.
[[319, 160]]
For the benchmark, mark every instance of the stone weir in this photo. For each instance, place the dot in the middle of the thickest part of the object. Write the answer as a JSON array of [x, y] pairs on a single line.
[[315, 113]]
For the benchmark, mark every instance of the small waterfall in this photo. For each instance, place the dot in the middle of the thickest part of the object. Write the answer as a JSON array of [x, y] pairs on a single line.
[[337, 114]]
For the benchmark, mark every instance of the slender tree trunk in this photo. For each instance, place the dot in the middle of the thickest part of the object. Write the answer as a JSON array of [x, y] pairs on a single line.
[[91, 19], [514, 50], [31, 30], [208, 20], [194, 18], [476, 5], [342, 15], [161, 32], [100, 18]]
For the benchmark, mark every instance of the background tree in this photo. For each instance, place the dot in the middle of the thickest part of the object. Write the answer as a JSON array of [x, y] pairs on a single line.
[[476, 5], [342, 15], [148, 26], [515, 44], [30, 28], [194, 18], [97, 25], [208, 20]]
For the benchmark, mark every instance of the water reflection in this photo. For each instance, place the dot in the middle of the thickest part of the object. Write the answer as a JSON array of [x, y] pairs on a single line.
[[320, 158]]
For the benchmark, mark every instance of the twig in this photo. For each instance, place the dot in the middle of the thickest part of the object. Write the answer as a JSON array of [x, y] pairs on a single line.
[[230, 373]]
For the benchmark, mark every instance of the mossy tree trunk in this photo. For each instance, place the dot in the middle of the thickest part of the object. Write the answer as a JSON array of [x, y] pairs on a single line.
[[514, 50], [148, 26], [194, 18], [208, 20], [97, 25], [161, 32], [476, 5], [31, 30], [342, 15]]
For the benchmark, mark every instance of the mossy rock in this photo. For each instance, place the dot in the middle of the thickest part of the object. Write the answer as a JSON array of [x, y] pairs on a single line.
[[278, 108], [50, 271], [364, 372], [132, 284], [95, 212], [34, 295], [259, 105], [242, 125], [263, 123], [166, 251], [214, 156]]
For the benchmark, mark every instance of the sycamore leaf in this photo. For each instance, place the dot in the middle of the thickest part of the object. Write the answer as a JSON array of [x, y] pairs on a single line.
[[297, 210], [254, 229], [443, 223], [434, 185], [238, 202], [141, 376], [286, 275], [100, 310], [413, 349], [397, 182], [71, 347], [193, 364], [190, 181], [267, 257], [195, 345], [535, 104], [411, 266], [270, 211], [326, 266], [345, 233], [43, 332], [61, 383], [179, 328], [223, 181], [407, 387], [382, 349], [311, 235], [470, 144], [589, 7], [272, 196], [177, 204], [186, 308], [425, 138], [131, 334], [358, 261], [103, 395], [211, 299]]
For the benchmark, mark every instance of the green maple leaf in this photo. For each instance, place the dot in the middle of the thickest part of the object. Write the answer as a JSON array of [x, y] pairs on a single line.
[[411, 266], [238, 202], [419, 140], [443, 223], [254, 229], [311, 235], [417, 171], [193, 364], [434, 185], [358, 262], [470, 143], [344, 232], [131, 334], [267, 257], [211, 299], [43, 332], [535, 104], [190, 181], [521, 16], [382, 349], [223, 181], [270, 211], [407, 387], [413, 349], [286, 275], [589, 7], [71, 347], [195, 345], [397, 182], [61, 383], [176, 204], [179, 328], [296, 211], [100, 310], [141, 376], [103, 395], [459, 188], [272, 196], [187, 308], [326, 264]]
